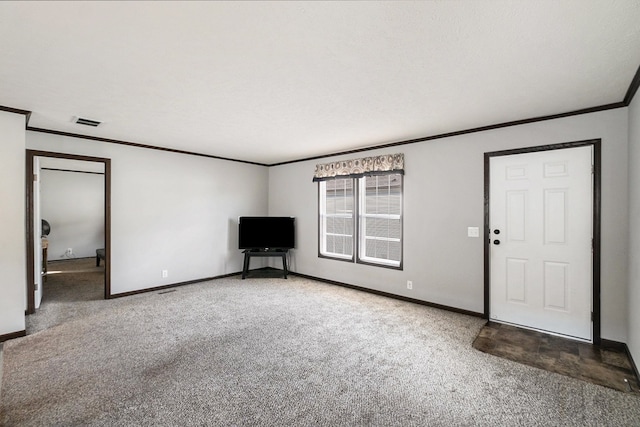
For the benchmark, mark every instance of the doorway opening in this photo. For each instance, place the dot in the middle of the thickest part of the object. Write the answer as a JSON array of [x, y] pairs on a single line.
[[36, 267], [555, 296]]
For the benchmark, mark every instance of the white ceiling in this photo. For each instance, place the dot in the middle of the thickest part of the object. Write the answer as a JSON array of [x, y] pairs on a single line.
[[271, 82]]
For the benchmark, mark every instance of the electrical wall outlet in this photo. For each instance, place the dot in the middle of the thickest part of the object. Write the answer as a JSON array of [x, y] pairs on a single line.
[[165, 274], [409, 284]]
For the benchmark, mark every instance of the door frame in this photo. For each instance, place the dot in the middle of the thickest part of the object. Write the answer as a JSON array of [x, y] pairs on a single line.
[[595, 295], [30, 154]]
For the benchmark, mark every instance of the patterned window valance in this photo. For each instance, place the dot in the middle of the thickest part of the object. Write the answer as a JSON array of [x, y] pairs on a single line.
[[377, 165]]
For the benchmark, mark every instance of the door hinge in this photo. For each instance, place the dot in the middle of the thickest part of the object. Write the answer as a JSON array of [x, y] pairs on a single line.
[[592, 316], [593, 169], [35, 177]]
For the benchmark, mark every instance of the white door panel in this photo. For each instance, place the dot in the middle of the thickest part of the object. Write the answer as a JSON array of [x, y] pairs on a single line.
[[37, 233], [541, 222]]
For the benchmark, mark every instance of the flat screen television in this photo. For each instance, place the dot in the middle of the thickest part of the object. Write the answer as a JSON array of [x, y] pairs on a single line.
[[266, 232]]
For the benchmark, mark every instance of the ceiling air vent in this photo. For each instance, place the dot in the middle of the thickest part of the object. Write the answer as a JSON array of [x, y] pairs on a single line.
[[87, 122]]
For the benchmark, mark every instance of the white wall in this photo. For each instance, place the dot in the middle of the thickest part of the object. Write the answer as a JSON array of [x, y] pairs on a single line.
[[170, 211], [634, 229], [12, 223], [444, 195], [73, 204]]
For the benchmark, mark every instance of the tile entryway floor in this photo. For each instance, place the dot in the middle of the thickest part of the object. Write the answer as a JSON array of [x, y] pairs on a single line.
[[605, 366]]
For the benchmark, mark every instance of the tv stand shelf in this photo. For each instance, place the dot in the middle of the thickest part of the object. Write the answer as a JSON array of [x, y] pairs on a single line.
[[249, 253]]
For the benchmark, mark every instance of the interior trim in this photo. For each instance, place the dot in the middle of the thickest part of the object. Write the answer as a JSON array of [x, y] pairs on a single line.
[[464, 132], [70, 170], [30, 154], [13, 335], [633, 363], [341, 153], [631, 92], [597, 207], [617, 345], [604, 343], [331, 282], [172, 285], [26, 113], [390, 295], [137, 145], [615, 105]]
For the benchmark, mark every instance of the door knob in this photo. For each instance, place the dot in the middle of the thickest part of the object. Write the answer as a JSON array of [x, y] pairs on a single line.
[[496, 242], [496, 231]]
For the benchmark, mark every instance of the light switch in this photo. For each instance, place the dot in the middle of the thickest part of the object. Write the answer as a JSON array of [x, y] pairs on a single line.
[[473, 231]]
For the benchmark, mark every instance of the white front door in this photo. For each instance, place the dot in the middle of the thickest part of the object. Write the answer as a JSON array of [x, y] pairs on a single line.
[[541, 229]]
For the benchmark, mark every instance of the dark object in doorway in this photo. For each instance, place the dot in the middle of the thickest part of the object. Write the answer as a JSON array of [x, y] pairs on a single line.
[[100, 254], [46, 228]]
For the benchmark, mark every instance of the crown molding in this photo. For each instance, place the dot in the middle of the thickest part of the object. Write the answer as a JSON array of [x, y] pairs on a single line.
[[633, 88], [137, 145], [466, 131], [25, 113], [628, 98]]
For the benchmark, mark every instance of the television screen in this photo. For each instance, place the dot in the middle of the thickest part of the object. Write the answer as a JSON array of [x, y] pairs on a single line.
[[262, 232]]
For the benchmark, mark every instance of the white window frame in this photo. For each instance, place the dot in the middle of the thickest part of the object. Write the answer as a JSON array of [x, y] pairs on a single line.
[[323, 251], [362, 223], [359, 218]]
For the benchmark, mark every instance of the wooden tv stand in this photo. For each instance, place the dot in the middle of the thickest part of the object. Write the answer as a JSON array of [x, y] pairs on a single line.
[[248, 253]]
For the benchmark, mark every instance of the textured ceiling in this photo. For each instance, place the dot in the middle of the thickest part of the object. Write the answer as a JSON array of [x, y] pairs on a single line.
[[272, 82]]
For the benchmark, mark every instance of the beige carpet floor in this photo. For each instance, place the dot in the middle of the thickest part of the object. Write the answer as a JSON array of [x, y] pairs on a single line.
[[275, 352], [73, 288]]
